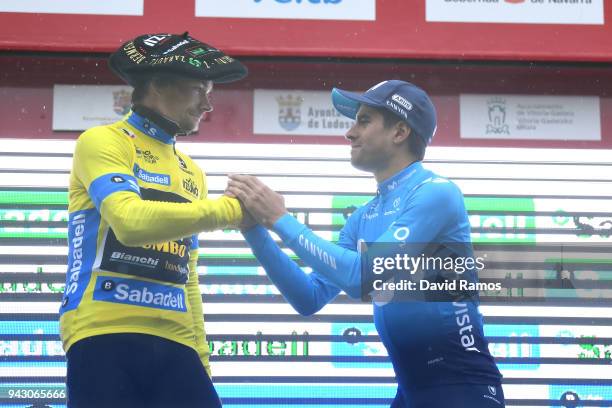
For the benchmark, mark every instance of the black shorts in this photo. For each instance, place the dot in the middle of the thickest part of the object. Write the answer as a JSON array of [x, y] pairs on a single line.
[[455, 395], [136, 371]]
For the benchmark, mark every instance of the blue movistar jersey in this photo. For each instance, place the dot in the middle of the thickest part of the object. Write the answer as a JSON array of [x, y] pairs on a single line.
[[429, 343]]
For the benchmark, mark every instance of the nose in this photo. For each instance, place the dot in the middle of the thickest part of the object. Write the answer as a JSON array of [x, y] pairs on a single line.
[[351, 134]]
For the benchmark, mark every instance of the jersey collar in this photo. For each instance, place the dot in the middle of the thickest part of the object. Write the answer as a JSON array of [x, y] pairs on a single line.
[[146, 126], [393, 182]]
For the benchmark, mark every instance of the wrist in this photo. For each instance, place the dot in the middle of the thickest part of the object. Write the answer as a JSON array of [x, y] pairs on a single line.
[[269, 223]]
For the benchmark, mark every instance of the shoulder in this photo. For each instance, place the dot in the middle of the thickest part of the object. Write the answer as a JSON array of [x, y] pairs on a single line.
[[436, 192], [107, 136]]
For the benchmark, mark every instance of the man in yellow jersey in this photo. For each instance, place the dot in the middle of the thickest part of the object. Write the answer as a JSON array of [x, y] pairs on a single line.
[[131, 316]]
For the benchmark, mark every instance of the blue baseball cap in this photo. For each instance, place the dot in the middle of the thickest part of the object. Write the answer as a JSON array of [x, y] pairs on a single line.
[[407, 101]]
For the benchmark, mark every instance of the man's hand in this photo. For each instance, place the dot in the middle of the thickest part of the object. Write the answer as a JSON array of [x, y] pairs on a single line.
[[265, 205]]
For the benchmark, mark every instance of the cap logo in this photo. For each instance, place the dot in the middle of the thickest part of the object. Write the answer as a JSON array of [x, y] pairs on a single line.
[[176, 46], [377, 85], [397, 109], [402, 101], [155, 39]]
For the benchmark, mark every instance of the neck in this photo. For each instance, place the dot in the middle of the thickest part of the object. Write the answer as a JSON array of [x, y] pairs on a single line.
[[163, 122], [394, 166]]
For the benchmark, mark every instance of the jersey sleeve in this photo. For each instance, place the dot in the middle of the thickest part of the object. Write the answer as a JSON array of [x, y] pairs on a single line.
[[431, 208], [307, 293], [103, 164]]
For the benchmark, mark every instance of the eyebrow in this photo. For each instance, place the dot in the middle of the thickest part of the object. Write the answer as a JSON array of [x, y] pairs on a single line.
[[362, 116]]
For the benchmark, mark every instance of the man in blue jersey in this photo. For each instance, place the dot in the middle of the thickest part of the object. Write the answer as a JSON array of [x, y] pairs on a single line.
[[438, 350]]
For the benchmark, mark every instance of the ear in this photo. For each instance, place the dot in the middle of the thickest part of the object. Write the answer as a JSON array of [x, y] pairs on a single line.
[[402, 132]]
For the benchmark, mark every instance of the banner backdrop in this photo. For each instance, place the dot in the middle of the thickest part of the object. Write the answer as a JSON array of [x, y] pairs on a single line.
[[440, 29]]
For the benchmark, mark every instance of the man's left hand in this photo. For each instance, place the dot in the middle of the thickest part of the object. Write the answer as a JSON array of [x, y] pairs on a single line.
[[264, 204]]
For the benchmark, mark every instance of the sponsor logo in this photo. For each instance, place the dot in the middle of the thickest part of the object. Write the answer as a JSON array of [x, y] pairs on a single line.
[[516, 11], [293, 345], [289, 111], [149, 128], [154, 178], [122, 102], [492, 390], [182, 270], [175, 47], [183, 165], [402, 101], [529, 117], [397, 109], [76, 244], [514, 349], [191, 187], [594, 350], [462, 318], [377, 85], [36, 285], [594, 226], [500, 227], [357, 341], [573, 396], [128, 133], [497, 117], [199, 51], [155, 39], [133, 53], [401, 233], [146, 155], [171, 247], [123, 257], [288, 9], [139, 293], [317, 251], [117, 179]]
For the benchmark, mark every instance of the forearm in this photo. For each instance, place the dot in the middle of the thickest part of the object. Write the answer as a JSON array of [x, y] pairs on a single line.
[[138, 222], [339, 265], [307, 296]]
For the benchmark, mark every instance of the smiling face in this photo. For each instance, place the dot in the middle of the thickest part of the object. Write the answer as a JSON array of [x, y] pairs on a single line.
[[184, 101], [372, 144]]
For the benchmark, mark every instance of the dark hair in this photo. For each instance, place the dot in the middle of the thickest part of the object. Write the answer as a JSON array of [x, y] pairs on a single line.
[[416, 144]]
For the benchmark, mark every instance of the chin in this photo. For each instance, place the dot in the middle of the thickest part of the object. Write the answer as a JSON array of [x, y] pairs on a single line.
[[358, 164], [190, 127]]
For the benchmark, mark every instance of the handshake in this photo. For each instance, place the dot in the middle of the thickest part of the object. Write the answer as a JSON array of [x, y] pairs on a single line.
[[260, 204]]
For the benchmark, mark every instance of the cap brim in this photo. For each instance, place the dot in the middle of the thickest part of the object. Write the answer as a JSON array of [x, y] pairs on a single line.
[[347, 103]]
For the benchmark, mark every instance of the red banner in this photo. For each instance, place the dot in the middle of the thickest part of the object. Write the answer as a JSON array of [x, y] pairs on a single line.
[[438, 29], [552, 107]]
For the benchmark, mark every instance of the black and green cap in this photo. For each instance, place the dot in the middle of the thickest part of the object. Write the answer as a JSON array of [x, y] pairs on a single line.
[[181, 55]]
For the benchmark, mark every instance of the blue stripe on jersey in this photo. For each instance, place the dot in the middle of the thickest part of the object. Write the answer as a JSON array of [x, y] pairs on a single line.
[[139, 293], [149, 128], [110, 183], [82, 236]]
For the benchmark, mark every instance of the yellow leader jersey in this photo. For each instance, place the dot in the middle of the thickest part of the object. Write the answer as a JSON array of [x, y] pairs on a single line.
[[136, 206]]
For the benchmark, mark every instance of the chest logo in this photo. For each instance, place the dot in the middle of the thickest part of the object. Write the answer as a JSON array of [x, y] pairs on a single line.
[[146, 155], [191, 187]]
